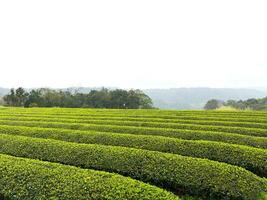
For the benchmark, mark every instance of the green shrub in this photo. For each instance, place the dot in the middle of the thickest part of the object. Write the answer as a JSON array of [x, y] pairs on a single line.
[[175, 126], [252, 159], [194, 119], [210, 179], [31, 179], [135, 113], [215, 121], [183, 134]]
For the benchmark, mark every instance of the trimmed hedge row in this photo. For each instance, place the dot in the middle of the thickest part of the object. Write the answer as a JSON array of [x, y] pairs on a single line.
[[145, 113], [171, 123], [133, 113], [252, 159], [216, 121], [210, 179], [130, 117], [22, 178], [142, 111], [238, 130], [260, 142]]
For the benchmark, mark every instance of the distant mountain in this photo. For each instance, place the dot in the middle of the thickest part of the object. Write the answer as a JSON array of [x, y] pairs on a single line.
[[196, 98], [184, 98]]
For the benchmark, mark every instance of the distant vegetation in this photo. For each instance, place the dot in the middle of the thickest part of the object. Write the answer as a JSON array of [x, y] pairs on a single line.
[[250, 104], [104, 98], [180, 98]]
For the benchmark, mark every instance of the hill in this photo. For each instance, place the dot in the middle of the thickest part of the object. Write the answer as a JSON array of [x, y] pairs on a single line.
[[195, 98]]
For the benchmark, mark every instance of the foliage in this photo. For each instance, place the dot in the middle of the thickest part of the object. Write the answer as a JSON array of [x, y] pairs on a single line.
[[22, 178], [249, 104], [181, 133], [213, 104], [103, 98], [196, 176], [208, 154], [242, 129], [16, 97], [253, 159]]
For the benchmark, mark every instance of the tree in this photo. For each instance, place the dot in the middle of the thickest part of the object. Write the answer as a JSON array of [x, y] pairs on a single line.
[[21, 95], [10, 99], [213, 104], [16, 97], [119, 98], [146, 101], [34, 99], [104, 98], [99, 99], [133, 100]]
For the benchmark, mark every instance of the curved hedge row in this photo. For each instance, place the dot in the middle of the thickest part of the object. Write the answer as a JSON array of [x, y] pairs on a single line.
[[195, 176], [151, 118], [167, 123], [132, 111], [135, 113], [232, 122], [252, 159], [134, 118], [31, 179], [174, 126], [236, 122], [183, 134]]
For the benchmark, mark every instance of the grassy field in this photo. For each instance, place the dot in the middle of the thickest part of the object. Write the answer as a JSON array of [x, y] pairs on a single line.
[[55, 153]]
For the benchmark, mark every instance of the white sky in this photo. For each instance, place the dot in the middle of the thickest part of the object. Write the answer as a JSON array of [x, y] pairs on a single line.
[[133, 44]]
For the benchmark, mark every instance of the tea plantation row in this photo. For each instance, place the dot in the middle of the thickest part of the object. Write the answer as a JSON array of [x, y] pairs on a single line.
[[52, 153]]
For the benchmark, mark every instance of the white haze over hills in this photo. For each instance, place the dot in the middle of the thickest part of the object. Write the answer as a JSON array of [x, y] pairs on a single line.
[[196, 98]]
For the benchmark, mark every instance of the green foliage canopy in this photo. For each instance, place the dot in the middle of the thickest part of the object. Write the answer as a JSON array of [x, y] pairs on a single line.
[[249, 104], [104, 98]]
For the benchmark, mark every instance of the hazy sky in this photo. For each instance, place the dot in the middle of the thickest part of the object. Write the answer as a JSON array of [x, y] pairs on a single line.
[[133, 44]]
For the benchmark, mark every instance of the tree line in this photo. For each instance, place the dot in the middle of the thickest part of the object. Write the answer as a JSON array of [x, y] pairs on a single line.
[[251, 104], [103, 98]]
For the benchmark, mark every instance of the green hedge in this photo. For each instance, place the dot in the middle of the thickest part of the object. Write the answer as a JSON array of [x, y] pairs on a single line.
[[161, 115], [217, 121], [136, 113], [183, 134], [174, 126], [232, 122], [253, 159], [210, 179], [31, 179]]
